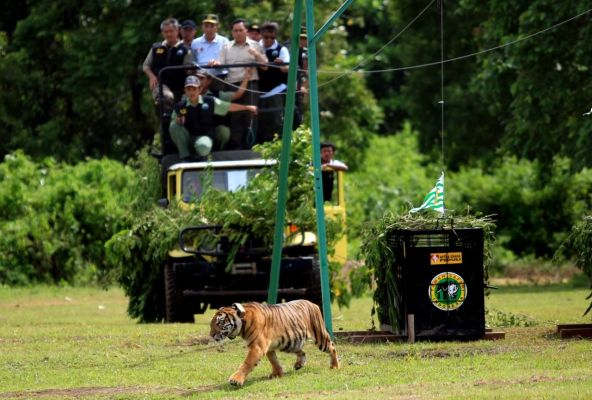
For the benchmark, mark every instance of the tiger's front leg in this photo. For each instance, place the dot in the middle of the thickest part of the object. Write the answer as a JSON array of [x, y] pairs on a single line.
[[253, 357]]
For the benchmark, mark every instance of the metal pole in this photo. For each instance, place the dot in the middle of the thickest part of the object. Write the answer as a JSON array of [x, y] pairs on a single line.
[[280, 214], [318, 176], [332, 19]]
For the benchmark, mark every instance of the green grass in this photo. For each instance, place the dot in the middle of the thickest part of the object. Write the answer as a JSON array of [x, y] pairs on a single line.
[[75, 342]]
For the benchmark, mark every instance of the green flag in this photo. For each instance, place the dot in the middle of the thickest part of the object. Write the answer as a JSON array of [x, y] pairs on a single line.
[[434, 200]]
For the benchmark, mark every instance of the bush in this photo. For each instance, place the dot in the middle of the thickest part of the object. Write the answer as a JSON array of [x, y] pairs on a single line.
[[534, 206], [534, 209], [578, 246], [55, 218]]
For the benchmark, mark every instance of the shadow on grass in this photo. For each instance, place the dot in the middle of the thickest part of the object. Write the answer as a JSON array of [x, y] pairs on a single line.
[[227, 387]]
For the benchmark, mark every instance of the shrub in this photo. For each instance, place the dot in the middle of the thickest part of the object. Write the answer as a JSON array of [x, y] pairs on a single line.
[[55, 218]]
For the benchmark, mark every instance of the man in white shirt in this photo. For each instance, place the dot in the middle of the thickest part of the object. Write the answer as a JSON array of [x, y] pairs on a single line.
[[206, 48], [327, 153]]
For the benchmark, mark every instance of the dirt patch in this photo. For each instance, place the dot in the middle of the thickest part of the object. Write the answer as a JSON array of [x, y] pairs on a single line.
[[441, 353], [107, 391]]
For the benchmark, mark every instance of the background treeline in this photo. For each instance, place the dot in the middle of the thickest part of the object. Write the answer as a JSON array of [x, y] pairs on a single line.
[[75, 109]]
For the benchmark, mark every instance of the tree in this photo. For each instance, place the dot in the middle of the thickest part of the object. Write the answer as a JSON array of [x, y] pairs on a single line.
[[538, 88], [71, 84]]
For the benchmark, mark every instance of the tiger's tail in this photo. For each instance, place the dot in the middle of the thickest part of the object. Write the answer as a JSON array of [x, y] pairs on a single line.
[[321, 336]]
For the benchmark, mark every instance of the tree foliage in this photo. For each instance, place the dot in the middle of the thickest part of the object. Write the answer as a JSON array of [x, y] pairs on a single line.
[[56, 218], [578, 246], [71, 83]]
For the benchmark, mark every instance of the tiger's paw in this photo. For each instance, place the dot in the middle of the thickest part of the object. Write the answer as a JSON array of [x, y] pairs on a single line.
[[236, 379], [276, 374], [300, 363], [300, 360]]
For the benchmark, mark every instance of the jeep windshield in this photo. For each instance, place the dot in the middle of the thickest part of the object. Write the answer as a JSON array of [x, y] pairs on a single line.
[[194, 182]]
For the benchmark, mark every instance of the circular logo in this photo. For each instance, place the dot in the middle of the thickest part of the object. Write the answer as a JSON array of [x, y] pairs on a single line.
[[447, 291], [205, 106]]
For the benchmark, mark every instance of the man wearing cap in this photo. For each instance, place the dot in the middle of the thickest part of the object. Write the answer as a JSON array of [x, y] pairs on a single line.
[[169, 52], [192, 125], [188, 32], [222, 124], [206, 48], [254, 32], [238, 51]]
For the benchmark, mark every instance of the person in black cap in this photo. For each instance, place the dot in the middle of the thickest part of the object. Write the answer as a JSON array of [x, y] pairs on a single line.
[[188, 32], [254, 32], [222, 123]]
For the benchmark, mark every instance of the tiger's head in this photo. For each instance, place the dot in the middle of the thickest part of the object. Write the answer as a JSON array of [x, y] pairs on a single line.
[[227, 322]]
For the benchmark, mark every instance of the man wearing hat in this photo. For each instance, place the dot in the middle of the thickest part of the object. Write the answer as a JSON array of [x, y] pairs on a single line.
[[254, 32], [192, 124], [188, 32], [206, 48]]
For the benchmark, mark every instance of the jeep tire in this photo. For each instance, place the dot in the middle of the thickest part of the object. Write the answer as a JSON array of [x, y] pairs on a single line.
[[176, 310]]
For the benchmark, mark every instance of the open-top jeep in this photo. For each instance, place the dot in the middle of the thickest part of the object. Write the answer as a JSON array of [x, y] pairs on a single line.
[[206, 270]]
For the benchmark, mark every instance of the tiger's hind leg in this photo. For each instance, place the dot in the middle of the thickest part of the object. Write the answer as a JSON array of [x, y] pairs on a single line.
[[326, 345], [276, 368], [333, 353], [300, 360]]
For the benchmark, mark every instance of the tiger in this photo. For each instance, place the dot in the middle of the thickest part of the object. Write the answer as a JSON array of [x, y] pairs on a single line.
[[270, 327]]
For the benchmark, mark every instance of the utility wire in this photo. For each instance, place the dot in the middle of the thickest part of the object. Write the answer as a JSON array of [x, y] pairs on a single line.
[[354, 69], [510, 43], [424, 65]]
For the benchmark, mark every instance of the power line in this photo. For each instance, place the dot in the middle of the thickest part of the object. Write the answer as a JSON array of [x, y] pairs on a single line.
[[424, 65], [510, 43]]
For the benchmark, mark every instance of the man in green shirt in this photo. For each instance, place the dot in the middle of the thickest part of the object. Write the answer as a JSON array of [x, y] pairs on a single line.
[[193, 124]]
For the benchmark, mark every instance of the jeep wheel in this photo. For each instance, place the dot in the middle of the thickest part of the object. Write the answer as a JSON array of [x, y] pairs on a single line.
[[176, 311]]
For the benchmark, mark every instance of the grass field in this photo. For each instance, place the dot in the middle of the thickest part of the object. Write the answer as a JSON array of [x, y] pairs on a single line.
[[80, 343]]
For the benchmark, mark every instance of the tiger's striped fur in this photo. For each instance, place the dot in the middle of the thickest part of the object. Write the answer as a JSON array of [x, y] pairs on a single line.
[[267, 328]]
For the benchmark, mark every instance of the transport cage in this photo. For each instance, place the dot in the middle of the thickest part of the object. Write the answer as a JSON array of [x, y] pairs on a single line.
[[439, 283]]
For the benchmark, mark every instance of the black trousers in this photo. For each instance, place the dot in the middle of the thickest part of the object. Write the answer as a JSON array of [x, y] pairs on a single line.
[[243, 124]]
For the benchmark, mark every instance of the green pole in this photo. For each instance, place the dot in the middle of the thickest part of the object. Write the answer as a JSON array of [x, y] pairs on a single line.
[[316, 157], [280, 215], [332, 19]]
